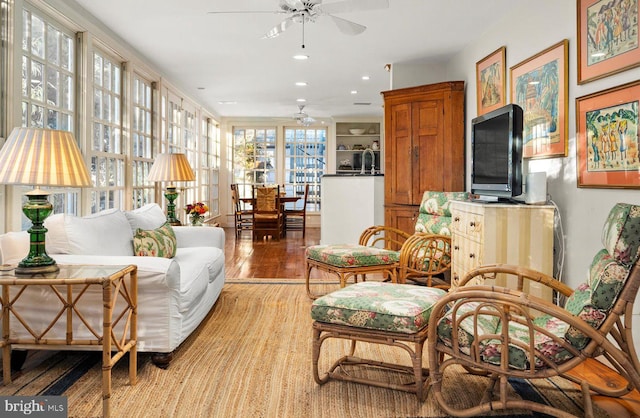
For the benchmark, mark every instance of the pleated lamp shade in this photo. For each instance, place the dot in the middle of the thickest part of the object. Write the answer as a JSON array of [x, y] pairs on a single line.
[[42, 157], [171, 167]]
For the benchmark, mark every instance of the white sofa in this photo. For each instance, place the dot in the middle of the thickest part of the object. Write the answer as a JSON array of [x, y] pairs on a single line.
[[174, 294]]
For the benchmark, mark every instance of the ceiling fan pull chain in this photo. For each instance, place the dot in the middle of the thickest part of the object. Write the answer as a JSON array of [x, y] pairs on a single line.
[[302, 32]]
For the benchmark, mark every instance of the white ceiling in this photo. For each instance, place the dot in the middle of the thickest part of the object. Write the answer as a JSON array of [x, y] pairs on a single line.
[[222, 57]]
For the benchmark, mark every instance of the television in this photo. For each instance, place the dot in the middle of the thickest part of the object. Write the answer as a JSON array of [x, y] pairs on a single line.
[[496, 154]]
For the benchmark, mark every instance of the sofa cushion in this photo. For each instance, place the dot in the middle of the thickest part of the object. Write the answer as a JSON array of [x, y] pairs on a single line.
[[196, 264], [351, 255], [159, 242], [57, 241], [382, 306], [14, 246], [147, 217], [106, 233]]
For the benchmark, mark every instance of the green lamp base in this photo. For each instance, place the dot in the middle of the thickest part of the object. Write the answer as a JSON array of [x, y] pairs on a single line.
[[37, 209], [171, 194]]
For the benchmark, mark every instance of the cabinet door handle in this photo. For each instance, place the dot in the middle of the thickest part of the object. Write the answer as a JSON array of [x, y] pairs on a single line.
[[456, 248], [472, 223], [472, 255], [456, 219]]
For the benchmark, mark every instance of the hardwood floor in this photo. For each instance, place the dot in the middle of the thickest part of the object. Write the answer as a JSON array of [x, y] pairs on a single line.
[[284, 259]]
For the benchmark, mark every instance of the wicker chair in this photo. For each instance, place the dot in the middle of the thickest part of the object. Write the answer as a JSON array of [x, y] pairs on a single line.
[[503, 333], [268, 217], [379, 248], [296, 219], [242, 218]]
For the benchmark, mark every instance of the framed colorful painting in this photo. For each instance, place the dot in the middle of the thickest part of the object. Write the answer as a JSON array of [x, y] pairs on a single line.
[[540, 86], [491, 84], [607, 138], [607, 38]]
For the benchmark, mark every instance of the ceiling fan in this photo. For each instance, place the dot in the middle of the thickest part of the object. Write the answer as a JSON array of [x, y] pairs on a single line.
[[302, 118], [307, 11]]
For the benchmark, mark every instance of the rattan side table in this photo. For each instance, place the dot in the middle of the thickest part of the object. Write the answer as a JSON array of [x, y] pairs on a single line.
[[69, 285]]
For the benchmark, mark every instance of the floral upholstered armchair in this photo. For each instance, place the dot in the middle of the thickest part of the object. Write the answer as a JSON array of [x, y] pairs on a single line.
[[418, 257], [503, 333]]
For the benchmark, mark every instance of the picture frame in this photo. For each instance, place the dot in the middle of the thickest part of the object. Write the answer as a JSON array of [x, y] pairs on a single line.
[[607, 138], [607, 38], [540, 86], [491, 83]]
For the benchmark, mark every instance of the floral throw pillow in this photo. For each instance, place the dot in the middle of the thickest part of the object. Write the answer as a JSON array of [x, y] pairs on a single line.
[[159, 242]]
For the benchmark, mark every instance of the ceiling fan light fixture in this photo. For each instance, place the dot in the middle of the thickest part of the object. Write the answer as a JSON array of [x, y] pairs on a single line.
[[301, 100]]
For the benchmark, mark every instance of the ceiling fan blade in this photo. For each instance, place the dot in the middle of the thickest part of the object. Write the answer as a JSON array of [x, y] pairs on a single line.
[[279, 28], [292, 4], [353, 6], [246, 11], [348, 27]]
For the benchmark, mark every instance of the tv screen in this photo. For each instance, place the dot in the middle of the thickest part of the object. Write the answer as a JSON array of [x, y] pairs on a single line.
[[497, 153]]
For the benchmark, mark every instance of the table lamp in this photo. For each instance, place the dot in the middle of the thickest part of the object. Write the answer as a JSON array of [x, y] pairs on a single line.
[[41, 157], [171, 167]]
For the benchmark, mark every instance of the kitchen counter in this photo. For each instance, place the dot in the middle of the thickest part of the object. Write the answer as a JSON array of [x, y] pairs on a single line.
[[350, 204]]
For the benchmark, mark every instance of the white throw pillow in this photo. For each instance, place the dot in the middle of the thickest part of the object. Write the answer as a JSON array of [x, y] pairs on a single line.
[[149, 216], [103, 233], [14, 246], [56, 240]]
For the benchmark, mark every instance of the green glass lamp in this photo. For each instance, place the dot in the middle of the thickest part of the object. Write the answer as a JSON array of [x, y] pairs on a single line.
[[41, 157], [171, 167]]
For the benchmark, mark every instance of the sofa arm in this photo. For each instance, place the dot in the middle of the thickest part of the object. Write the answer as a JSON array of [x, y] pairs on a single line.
[[205, 236], [157, 272]]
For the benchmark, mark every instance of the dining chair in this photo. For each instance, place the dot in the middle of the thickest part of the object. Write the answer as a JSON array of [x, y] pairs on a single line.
[[268, 215], [243, 218], [296, 219]]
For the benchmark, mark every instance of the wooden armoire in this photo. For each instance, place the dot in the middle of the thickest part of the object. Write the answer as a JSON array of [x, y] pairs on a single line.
[[424, 147]]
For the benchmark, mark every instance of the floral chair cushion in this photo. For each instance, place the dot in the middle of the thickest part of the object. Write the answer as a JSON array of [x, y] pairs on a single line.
[[351, 255], [434, 215], [590, 301], [400, 308]]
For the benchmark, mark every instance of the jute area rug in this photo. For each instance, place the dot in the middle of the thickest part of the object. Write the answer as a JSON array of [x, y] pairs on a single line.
[[252, 358]]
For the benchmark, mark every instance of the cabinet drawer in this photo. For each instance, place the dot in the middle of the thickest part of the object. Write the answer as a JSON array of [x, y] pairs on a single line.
[[469, 224]]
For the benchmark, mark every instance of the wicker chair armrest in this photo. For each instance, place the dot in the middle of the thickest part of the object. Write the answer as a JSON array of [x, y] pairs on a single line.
[[392, 238], [424, 255], [489, 271]]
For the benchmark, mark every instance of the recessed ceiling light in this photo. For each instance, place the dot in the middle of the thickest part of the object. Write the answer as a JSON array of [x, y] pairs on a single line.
[[227, 102], [301, 57], [301, 100], [301, 83], [354, 91], [365, 77]]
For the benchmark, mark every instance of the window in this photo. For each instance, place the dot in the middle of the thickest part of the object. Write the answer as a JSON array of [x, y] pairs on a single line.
[[305, 163], [209, 171], [48, 88], [254, 157], [107, 158], [142, 141]]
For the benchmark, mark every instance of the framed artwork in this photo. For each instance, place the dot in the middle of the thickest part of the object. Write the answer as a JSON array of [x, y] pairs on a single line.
[[607, 38], [491, 84], [607, 137], [540, 86]]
